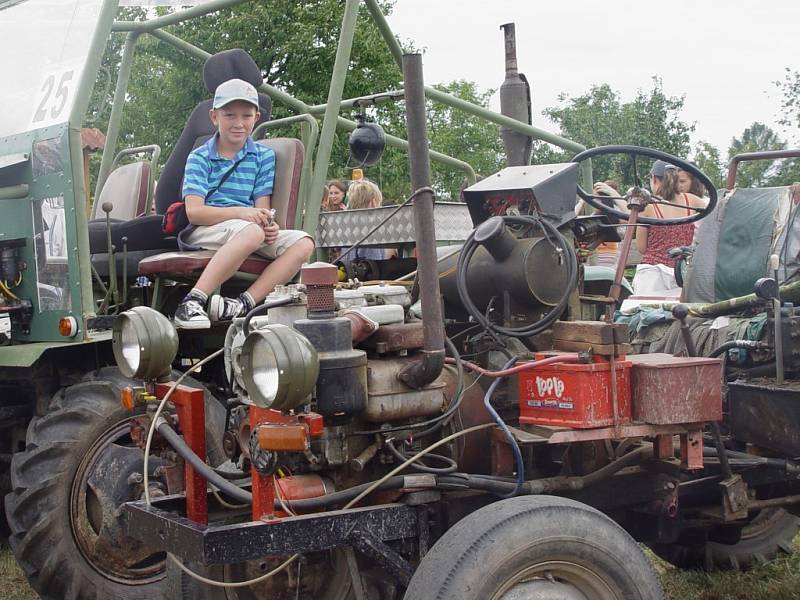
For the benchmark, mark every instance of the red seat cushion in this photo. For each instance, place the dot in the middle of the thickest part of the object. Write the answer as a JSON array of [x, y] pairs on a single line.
[[185, 263]]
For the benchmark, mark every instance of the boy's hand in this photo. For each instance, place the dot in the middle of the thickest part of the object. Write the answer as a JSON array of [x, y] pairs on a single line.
[[260, 216], [271, 233]]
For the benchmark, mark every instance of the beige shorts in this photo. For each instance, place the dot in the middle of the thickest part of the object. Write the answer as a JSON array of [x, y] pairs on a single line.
[[213, 237]]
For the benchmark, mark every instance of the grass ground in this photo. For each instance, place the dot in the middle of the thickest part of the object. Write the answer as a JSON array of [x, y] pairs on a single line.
[[776, 580]]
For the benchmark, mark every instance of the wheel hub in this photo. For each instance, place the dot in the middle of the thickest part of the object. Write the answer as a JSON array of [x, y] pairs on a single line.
[[556, 580], [107, 477]]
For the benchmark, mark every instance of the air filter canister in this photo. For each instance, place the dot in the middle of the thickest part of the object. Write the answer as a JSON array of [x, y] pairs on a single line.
[[342, 383]]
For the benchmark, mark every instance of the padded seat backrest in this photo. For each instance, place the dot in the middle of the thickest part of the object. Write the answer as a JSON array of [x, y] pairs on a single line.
[[734, 243], [289, 154], [229, 64], [127, 188]]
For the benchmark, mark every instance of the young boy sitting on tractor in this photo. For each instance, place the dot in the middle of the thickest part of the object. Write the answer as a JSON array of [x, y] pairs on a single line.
[[226, 188]]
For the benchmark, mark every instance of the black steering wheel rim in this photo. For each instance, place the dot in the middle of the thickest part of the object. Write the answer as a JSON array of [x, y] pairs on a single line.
[[635, 151]]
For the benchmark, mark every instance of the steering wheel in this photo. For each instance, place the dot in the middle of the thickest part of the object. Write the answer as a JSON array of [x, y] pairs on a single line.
[[633, 152]]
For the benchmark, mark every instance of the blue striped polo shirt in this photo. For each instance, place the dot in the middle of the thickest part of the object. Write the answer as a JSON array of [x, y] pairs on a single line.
[[253, 177]]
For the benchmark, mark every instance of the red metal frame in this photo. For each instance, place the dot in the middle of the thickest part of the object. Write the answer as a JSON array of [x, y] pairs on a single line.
[[190, 405], [264, 485]]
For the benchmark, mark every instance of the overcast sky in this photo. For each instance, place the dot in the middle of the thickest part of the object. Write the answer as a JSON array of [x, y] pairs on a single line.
[[721, 55]]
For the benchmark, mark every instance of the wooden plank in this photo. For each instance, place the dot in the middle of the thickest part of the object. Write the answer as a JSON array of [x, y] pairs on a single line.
[[559, 435], [601, 349], [584, 331]]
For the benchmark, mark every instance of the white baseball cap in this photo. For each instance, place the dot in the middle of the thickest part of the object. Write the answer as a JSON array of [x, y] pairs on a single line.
[[235, 89]]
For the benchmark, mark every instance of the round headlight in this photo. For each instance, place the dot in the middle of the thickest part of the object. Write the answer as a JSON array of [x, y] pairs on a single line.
[[145, 343], [279, 367]]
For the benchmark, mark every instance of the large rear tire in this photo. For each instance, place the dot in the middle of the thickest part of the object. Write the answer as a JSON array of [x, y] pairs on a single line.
[[540, 547], [78, 467], [766, 536]]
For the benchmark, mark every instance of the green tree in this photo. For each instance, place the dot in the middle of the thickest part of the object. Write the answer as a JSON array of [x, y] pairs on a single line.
[[789, 170], [708, 160], [758, 173], [450, 131], [790, 104], [294, 43], [600, 118]]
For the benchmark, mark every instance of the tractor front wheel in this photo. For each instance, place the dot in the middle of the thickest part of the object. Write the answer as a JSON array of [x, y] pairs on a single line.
[[79, 466], [540, 547]]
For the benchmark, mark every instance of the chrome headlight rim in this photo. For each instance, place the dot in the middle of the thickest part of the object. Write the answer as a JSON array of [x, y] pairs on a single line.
[[147, 335], [279, 367]]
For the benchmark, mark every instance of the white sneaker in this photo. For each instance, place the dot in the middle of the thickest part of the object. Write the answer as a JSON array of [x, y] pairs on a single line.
[[190, 314], [221, 308]]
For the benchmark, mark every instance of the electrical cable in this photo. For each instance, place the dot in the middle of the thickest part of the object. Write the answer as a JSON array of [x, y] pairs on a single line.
[[563, 247], [262, 308], [279, 497], [225, 503], [452, 466], [487, 402], [7, 291], [413, 459], [528, 366]]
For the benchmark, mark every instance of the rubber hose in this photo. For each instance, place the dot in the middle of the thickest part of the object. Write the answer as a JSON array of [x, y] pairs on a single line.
[[262, 308], [748, 344], [199, 465], [342, 496]]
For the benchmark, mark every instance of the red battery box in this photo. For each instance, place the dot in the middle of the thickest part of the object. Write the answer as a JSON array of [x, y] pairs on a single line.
[[575, 395]]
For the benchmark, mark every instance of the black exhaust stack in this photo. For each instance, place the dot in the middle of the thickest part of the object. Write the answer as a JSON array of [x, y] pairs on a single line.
[[515, 102], [423, 372]]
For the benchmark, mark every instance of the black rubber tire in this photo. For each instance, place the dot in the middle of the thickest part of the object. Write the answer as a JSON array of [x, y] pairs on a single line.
[[768, 535], [39, 507], [484, 553]]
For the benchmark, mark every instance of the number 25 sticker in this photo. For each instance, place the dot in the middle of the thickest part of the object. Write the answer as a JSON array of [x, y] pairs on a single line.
[[54, 97]]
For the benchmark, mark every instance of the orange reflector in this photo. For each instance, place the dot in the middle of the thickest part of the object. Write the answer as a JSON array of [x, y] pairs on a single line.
[[283, 437], [357, 175], [67, 326], [127, 398]]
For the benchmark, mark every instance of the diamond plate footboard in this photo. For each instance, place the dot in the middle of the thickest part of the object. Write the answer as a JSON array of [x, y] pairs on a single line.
[[344, 228]]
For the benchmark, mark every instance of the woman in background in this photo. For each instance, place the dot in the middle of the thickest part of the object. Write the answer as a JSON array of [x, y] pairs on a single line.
[[655, 275], [365, 194], [689, 184], [336, 192]]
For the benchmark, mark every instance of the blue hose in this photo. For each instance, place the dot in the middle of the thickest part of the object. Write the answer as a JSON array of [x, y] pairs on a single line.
[[500, 423]]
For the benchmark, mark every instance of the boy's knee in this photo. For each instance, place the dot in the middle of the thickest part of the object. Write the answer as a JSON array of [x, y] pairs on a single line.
[[306, 246], [253, 235]]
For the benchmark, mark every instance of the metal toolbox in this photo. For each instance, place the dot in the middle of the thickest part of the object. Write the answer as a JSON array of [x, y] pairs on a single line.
[[670, 389]]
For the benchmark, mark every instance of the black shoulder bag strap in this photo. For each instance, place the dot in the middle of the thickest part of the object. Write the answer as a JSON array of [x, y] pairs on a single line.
[[224, 178], [185, 231]]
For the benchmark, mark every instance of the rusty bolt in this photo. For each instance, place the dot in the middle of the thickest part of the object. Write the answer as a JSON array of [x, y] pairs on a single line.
[[229, 444]]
